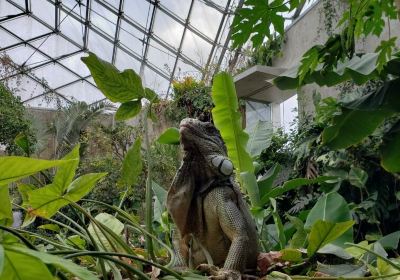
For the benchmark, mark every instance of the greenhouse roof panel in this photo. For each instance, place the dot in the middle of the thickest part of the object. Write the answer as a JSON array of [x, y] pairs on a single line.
[[162, 40]]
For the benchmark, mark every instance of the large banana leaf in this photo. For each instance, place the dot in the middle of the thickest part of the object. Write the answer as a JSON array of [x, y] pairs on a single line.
[[260, 137], [227, 119]]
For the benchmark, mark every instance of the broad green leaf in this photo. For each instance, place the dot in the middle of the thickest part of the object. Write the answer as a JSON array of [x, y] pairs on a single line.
[[170, 136], [112, 223], [384, 51], [150, 95], [265, 183], [291, 185], [6, 216], [249, 180], [128, 110], [20, 266], [358, 177], [356, 252], [23, 142], [333, 208], [358, 69], [14, 168], [52, 227], [390, 149], [278, 224], [66, 173], [160, 193], [300, 236], [132, 165], [359, 118], [390, 241], [260, 137], [332, 249], [342, 270], [76, 241], [291, 255], [324, 232], [46, 201], [60, 263], [351, 126], [227, 119], [116, 86]]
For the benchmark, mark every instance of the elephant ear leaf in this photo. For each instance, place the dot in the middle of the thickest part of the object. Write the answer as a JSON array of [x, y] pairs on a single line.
[[115, 85]]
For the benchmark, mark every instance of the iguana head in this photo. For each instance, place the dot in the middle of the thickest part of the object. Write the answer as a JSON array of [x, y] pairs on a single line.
[[201, 138]]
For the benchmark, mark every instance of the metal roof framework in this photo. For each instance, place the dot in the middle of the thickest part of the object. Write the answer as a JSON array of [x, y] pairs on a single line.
[[162, 40]]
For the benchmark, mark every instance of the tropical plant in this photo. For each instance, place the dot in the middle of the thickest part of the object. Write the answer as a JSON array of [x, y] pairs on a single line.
[[126, 87], [70, 124], [16, 132], [96, 241]]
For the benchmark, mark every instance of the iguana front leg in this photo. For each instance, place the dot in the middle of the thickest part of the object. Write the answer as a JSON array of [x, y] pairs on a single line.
[[233, 224]]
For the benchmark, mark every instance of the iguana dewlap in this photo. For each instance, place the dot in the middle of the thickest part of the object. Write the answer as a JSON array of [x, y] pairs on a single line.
[[206, 205]]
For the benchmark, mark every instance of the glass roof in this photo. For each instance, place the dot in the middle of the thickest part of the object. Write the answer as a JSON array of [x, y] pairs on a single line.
[[41, 42]]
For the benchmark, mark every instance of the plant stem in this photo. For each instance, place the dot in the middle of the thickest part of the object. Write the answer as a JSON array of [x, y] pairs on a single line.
[[104, 255], [149, 196], [17, 234], [346, 278], [89, 253]]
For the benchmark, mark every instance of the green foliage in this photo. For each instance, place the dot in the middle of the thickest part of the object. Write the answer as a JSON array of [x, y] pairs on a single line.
[[332, 208], [390, 152], [170, 136], [128, 110], [259, 137], [125, 87], [132, 164], [14, 123], [190, 99], [359, 69], [71, 123], [116, 86], [15, 168], [227, 119], [47, 200], [258, 19], [324, 232]]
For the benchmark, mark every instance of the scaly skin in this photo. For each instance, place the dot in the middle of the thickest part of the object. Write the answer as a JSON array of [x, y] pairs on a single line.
[[212, 218]]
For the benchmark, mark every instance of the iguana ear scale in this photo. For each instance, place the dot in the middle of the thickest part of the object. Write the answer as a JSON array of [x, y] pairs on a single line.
[[222, 164]]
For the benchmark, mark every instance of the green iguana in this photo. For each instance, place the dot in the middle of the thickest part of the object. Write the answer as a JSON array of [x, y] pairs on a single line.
[[213, 220]]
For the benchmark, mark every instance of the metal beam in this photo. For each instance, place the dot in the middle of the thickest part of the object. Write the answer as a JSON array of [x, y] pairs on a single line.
[[87, 24], [149, 33], [24, 42], [180, 46], [57, 15], [46, 24], [183, 22], [9, 17], [154, 37], [50, 61], [221, 24], [117, 31]]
